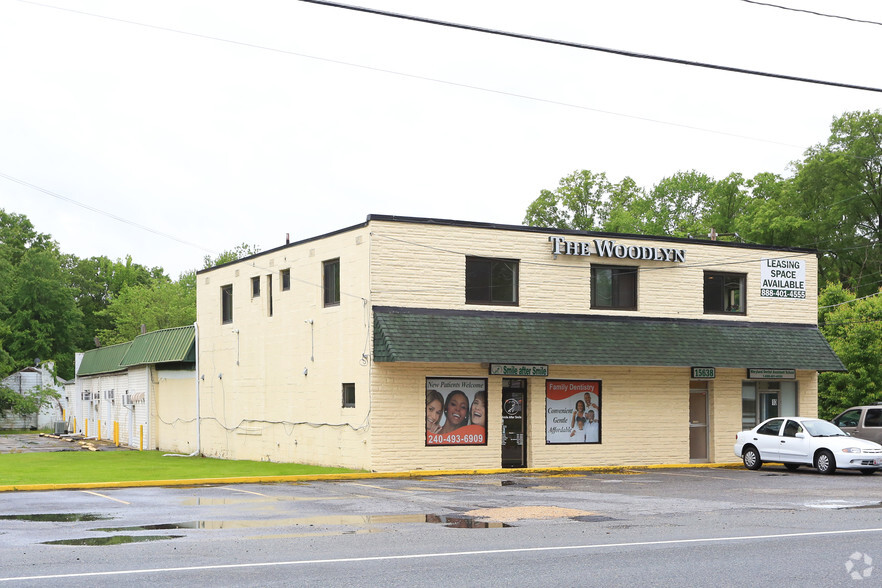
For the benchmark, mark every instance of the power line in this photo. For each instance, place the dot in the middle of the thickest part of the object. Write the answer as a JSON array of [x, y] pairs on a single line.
[[575, 45], [414, 76], [103, 212], [872, 22]]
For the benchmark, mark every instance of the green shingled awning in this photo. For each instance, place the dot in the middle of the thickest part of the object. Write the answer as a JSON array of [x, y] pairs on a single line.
[[452, 336]]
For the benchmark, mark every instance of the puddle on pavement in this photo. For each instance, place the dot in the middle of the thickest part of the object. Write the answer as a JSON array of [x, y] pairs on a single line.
[[113, 540], [593, 519], [225, 501], [70, 517], [457, 522]]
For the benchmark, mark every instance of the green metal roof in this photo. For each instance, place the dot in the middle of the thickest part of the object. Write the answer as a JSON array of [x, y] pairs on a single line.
[[103, 360], [177, 344], [449, 336], [163, 346]]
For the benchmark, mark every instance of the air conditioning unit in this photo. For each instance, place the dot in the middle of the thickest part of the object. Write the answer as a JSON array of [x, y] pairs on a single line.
[[87, 395], [128, 399], [108, 394]]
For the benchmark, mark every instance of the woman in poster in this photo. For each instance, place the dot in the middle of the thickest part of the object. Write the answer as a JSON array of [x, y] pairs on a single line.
[[456, 412], [434, 407], [578, 422]]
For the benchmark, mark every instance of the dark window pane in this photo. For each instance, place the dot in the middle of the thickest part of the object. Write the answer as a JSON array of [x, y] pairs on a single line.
[[227, 304], [724, 293], [332, 282], [614, 287], [491, 281]]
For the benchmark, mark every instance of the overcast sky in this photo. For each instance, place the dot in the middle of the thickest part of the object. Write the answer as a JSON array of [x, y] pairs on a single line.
[[174, 129]]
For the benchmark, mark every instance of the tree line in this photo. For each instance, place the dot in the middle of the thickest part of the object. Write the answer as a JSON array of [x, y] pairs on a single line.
[[53, 304], [830, 201]]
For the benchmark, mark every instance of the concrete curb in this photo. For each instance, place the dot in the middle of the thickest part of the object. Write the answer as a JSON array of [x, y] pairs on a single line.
[[354, 476]]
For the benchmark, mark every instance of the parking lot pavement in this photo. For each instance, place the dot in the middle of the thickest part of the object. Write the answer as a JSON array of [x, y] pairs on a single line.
[[34, 443]]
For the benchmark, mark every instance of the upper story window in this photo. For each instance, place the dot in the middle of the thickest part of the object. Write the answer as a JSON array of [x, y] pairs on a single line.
[[614, 287], [491, 281], [285, 276], [331, 281], [255, 286], [227, 304], [724, 293]]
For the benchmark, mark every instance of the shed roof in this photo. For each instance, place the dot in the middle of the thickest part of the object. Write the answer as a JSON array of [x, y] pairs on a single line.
[[163, 346], [452, 336], [103, 359]]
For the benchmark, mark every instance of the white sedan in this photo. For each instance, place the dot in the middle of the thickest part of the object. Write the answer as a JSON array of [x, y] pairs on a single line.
[[796, 441]]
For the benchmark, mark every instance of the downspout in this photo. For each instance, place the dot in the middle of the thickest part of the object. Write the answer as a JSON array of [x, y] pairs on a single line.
[[198, 411]]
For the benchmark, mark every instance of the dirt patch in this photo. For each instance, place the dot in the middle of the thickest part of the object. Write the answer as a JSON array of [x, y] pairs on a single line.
[[36, 443], [516, 513]]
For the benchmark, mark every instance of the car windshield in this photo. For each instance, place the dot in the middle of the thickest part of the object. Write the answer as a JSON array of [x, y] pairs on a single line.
[[821, 428]]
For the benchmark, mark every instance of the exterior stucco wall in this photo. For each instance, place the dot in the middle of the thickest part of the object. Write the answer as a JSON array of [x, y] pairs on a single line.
[[272, 387], [173, 394], [423, 265]]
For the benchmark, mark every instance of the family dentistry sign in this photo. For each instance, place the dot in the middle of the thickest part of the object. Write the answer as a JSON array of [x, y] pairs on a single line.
[[609, 248]]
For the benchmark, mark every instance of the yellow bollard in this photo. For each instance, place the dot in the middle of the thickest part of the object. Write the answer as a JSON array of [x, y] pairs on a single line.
[[141, 446], [75, 425], [99, 429], [116, 433], [87, 428]]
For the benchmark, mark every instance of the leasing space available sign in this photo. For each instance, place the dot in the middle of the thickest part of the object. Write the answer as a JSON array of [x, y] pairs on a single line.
[[783, 278]]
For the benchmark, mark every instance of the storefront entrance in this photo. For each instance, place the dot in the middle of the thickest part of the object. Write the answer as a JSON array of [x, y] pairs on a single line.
[[514, 423], [698, 412]]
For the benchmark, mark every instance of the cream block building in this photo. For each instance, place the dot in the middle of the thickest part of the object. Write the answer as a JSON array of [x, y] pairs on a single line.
[[426, 344]]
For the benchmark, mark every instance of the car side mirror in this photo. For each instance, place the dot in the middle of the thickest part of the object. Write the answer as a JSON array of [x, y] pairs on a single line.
[[800, 435]]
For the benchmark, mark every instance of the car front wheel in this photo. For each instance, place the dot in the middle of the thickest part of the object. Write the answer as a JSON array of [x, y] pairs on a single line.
[[752, 459], [825, 462]]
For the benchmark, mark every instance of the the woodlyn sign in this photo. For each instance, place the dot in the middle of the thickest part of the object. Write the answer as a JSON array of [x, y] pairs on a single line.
[[609, 248]]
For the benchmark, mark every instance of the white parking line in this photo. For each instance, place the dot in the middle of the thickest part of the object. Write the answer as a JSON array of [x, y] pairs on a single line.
[[103, 496], [448, 554]]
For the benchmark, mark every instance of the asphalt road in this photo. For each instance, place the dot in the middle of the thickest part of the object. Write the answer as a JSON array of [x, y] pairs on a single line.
[[652, 527]]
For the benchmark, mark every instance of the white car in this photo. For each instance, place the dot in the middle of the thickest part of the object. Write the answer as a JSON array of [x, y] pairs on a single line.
[[796, 441]]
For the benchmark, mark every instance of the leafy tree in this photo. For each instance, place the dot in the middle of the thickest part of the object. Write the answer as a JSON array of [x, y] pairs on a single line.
[[161, 304], [38, 314], [853, 327], [41, 316], [97, 281], [840, 191], [27, 403], [234, 254], [578, 202]]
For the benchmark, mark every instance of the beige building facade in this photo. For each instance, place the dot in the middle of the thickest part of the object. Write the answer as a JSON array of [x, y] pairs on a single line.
[[425, 344]]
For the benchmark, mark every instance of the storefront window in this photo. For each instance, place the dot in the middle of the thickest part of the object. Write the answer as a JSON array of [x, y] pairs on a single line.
[[765, 400], [572, 409], [456, 411]]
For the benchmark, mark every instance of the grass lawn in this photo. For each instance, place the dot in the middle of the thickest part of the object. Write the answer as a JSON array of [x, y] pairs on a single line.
[[68, 467]]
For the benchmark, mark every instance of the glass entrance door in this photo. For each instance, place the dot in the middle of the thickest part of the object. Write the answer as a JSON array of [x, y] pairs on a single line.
[[514, 423], [698, 406]]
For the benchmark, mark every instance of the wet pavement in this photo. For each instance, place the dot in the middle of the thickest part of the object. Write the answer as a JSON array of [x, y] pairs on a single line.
[[36, 443]]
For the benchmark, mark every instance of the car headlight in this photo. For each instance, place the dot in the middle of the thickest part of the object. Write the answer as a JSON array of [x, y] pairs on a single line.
[[851, 450]]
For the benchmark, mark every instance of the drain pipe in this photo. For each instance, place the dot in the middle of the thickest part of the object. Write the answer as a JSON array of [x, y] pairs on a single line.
[[198, 411]]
